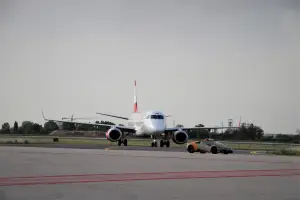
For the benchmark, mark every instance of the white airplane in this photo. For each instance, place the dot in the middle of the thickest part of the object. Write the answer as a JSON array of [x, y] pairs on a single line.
[[150, 123]]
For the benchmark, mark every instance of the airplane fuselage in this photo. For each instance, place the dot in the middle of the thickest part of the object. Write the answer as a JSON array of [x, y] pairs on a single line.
[[148, 123]]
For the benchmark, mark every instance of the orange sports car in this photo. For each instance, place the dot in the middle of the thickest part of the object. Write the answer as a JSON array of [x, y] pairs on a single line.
[[208, 145]]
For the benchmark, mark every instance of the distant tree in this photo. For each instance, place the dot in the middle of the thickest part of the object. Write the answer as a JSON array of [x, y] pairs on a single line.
[[27, 127], [101, 128], [16, 127], [296, 137], [107, 122], [259, 132], [68, 126], [5, 128], [50, 126], [251, 133], [284, 138], [37, 128], [85, 127], [245, 132]]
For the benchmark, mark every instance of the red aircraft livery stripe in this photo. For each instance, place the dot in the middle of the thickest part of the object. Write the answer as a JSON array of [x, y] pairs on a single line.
[[88, 178]]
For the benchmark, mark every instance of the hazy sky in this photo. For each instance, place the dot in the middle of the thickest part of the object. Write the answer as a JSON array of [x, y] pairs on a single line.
[[201, 61]]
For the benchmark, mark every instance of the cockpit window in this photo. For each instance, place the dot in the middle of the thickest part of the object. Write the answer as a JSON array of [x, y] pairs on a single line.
[[157, 117]]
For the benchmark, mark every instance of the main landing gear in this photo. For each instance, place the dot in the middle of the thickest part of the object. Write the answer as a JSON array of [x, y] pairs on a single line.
[[163, 142], [122, 141]]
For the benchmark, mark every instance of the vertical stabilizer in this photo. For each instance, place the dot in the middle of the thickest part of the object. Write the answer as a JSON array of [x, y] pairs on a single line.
[[135, 105], [240, 121]]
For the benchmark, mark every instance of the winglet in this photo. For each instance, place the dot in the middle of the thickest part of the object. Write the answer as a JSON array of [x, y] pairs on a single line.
[[43, 115]]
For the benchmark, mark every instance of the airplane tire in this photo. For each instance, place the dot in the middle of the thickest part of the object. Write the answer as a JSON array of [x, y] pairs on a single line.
[[154, 144], [119, 143], [202, 152], [168, 144], [161, 143], [125, 142]]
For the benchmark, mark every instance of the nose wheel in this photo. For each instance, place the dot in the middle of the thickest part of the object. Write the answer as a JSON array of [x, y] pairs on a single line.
[[154, 144], [161, 143]]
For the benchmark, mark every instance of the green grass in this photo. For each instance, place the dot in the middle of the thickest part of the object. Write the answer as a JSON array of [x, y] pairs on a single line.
[[262, 147], [287, 152], [5, 139]]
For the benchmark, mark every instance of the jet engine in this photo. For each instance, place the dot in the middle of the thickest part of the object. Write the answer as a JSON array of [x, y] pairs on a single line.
[[180, 137], [113, 134]]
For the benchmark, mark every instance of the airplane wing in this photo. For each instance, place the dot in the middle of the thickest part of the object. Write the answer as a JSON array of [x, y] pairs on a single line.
[[122, 128], [120, 117], [197, 128]]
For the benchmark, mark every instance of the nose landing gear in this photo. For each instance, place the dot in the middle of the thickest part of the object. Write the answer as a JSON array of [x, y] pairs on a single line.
[[154, 143], [163, 142]]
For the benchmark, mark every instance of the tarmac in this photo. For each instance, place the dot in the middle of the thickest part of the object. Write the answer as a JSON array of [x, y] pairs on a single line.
[[115, 147], [34, 173]]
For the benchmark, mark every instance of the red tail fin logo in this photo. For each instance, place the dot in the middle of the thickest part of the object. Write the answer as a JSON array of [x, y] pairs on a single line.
[[135, 106]]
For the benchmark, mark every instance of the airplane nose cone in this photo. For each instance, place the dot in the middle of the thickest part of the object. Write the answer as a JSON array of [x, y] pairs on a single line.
[[157, 127]]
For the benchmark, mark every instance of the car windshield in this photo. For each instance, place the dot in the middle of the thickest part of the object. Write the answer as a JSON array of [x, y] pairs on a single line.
[[220, 144]]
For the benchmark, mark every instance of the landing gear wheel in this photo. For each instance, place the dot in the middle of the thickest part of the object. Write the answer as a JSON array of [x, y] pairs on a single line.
[[161, 143], [154, 144], [122, 141], [225, 152], [214, 150], [125, 142], [167, 143], [202, 152], [190, 149]]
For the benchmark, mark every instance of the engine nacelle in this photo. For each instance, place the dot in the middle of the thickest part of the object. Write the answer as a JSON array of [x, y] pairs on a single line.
[[113, 134], [180, 137]]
